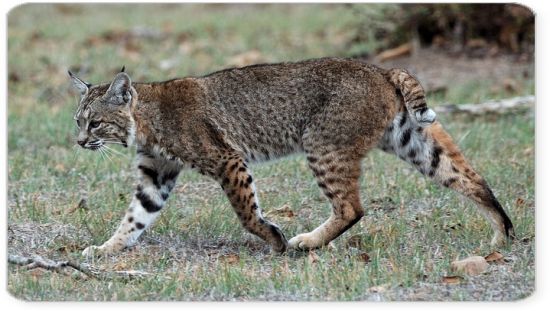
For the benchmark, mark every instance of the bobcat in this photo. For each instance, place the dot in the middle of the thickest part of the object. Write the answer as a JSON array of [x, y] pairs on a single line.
[[333, 110]]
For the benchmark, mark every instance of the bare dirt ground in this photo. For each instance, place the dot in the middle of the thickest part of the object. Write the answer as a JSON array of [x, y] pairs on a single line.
[[439, 70]]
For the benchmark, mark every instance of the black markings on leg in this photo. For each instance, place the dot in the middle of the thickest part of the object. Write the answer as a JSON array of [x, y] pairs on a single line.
[[130, 219], [489, 197], [435, 160], [140, 226], [403, 119], [406, 137], [147, 203], [447, 183], [151, 173], [169, 176], [454, 168], [276, 231]]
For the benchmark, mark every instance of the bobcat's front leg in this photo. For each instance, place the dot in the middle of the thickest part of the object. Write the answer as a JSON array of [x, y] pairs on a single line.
[[157, 177]]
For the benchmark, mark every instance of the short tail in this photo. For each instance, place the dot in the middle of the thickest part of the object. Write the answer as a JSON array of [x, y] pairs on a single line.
[[413, 96]]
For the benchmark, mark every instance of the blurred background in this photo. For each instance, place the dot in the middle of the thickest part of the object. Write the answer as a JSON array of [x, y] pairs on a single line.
[[442, 43], [62, 199]]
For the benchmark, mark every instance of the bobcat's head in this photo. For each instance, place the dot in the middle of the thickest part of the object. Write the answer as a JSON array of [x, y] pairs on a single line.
[[104, 115]]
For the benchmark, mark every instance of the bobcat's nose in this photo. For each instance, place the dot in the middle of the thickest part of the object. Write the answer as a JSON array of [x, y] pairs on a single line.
[[81, 142]]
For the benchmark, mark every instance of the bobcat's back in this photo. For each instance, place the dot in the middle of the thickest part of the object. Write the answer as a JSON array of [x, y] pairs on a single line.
[[265, 110]]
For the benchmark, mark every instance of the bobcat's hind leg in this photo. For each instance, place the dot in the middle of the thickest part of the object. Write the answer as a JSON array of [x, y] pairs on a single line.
[[337, 175], [238, 184], [432, 151], [157, 178]]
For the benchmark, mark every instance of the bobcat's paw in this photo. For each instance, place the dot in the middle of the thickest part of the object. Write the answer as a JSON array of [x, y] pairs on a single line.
[[304, 241]]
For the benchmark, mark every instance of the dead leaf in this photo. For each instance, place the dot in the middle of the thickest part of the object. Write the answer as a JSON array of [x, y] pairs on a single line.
[[364, 257], [313, 258], [82, 204], [38, 272], [471, 266], [283, 211], [230, 259], [495, 257], [60, 167], [121, 265], [379, 288], [520, 202], [528, 151], [452, 279]]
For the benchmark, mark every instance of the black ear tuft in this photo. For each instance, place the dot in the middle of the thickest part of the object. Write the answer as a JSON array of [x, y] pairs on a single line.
[[123, 67]]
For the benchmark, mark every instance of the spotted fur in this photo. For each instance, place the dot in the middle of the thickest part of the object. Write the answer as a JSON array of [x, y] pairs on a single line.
[[333, 110]]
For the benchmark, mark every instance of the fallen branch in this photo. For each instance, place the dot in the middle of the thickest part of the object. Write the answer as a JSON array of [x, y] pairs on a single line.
[[496, 106], [402, 50], [37, 261]]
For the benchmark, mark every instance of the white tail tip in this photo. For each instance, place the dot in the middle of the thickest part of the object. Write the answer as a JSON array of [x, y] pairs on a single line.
[[426, 118]]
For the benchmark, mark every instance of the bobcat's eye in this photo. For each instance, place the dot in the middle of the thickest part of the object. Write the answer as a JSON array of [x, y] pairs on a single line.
[[94, 124], [78, 123]]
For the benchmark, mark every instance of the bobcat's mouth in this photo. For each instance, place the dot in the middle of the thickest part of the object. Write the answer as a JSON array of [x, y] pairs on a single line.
[[94, 145]]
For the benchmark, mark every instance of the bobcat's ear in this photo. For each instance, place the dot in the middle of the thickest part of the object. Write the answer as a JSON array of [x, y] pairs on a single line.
[[120, 90], [80, 85]]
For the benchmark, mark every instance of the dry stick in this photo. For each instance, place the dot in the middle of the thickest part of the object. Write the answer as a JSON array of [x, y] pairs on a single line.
[[495, 106], [37, 261]]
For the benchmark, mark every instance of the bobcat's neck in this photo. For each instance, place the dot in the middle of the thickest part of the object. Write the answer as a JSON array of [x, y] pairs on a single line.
[[160, 105]]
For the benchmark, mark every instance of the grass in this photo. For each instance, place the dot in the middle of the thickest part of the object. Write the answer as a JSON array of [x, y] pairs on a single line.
[[197, 250]]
